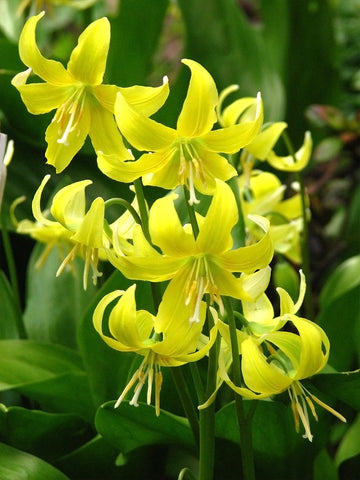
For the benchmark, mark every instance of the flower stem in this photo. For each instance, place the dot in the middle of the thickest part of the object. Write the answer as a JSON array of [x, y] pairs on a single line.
[[139, 191], [239, 232], [191, 212], [244, 421]]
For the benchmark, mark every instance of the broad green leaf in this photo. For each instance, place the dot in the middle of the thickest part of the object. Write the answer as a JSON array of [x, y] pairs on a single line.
[[23, 362], [55, 305], [344, 278], [135, 32], [340, 386], [19, 465], [9, 313], [46, 435], [94, 460], [324, 467], [279, 451], [341, 321], [128, 427], [350, 445]]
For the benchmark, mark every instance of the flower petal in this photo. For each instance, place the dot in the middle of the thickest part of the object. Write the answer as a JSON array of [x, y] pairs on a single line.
[[142, 132], [264, 142], [146, 100], [252, 257], [88, 59], [287, 164], [40, 97], [198, 112], [232, 139], [167, 231], [90, 231], [49, 70], [68, 205], [215, 232]]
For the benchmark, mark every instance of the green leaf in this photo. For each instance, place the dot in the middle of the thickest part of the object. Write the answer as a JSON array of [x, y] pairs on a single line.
[[134, 37], [19, 465], [9, 312], [23, 362], [42, 434], [128, 427], [341, 386], [350, 445], [280, 452], [55, 305], [324, 467], [343, 279]]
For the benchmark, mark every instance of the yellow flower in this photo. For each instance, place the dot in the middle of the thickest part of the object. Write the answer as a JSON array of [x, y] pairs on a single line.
[[189, 154], [197, 266], [6, 153], [83, 105], [262, 146], [164, 340], [263, 194], [85, 230]]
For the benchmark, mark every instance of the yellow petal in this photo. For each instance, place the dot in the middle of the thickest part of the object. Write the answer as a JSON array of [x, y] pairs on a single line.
[[49, 70], [232, 139], [198, 112], [146, 100], [88, 59], [142, 132], [68, 205], [287, 164], [265, 141], [90, 231]]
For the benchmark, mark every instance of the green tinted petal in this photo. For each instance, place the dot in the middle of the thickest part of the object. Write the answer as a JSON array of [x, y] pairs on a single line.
[[40, 97], [142, 132], [167, 231], [232, 139], [68, 205], [264, 142], [253, 257], [214, 166], [198, 112], [49, 70], [90, 231], [260, 311], [88, 59], [146, 100], [287, 163], [259, 375], [215, 232]]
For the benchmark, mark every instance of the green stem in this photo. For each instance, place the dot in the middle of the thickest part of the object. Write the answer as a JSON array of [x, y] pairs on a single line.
[[191, 212], [207, 415], [143, 210], [304, 239], [186, 400], [126, 204], [13, 276], [244, 421]]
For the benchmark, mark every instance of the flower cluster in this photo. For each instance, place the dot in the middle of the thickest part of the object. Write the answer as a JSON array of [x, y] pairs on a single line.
[[221, 248]]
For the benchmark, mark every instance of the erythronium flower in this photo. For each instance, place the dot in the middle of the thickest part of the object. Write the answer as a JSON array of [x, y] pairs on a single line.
[[6, 153], [83, 105], [263, 195], [164, 340], [85, 229], [203, 265], [189, 154]]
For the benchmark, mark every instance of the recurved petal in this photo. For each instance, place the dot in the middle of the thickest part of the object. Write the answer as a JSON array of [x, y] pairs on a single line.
[[252, 257], [68, 205], [146, 100], [215, 232], [198, 112], [142, 132], [232, 139], [98, 321], [36, 205], [128, 326], [264, 142], [88, 59], [288, 163], [40, 97], [167, 231], [259, 375], [90, 231], [232, 114], [49, 70]]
